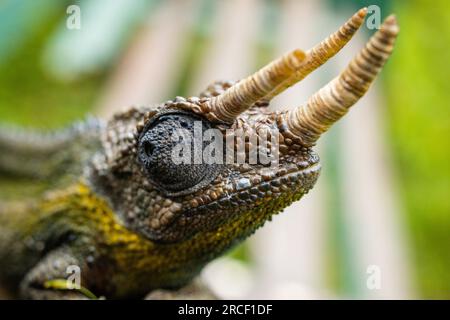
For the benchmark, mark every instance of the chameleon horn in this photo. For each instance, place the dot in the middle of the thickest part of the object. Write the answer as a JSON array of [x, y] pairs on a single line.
[[323, 51], [331, 102], [242, 95], [282, 73]]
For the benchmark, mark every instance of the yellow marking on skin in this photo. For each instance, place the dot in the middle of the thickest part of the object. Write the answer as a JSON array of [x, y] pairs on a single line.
[[61, 284], [133, 258]]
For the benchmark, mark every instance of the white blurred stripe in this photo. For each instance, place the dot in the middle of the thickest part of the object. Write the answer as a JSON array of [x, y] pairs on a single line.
[[147, 70], [300, 28], [289, 251], [104, 24], [376, 226], [230, 56]]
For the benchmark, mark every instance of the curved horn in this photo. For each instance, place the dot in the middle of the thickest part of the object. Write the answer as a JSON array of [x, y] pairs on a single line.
[[282, 73], [246, 92], [331, 102], [322, 52]]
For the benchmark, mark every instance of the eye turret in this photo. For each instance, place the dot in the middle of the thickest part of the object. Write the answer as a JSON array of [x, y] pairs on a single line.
[[167, 152]]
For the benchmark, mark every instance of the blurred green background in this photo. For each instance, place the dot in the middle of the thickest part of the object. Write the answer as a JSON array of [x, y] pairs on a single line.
[[44, 85]]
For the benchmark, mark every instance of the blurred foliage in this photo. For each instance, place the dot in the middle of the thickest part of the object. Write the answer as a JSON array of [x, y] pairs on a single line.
[[340, 256], [385, 5], [268, 33], [340, 268], [29, 96], [418, 113], [418, 91]]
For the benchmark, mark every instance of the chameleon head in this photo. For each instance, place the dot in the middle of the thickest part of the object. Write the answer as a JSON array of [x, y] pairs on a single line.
[[173, 194]]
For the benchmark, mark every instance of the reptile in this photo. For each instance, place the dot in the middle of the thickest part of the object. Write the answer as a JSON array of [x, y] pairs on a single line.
[[133, 220]]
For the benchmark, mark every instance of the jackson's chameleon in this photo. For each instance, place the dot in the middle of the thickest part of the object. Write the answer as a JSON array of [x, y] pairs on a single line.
[[132, 219]]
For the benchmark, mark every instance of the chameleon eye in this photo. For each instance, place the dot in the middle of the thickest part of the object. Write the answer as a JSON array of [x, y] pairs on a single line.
[[166, 151]]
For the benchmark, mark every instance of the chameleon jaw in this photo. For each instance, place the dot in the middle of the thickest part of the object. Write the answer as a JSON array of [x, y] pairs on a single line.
[[254, 192]]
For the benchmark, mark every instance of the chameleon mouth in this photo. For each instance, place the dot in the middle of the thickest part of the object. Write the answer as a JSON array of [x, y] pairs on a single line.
[[301, 178], [256, 202], [282, 180]]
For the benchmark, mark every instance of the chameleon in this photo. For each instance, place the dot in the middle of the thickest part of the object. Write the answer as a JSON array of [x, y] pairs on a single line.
[[118, 207]]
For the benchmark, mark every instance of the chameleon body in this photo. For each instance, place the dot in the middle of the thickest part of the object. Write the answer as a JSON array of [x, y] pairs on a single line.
[[131, 219]]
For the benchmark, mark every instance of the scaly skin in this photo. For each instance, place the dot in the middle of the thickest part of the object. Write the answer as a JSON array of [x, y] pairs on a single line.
[[135, 222], [105, 221]]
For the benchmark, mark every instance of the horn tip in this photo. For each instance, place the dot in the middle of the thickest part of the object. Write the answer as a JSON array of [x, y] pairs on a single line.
[[390, 25], [356, 20], [362, 13]]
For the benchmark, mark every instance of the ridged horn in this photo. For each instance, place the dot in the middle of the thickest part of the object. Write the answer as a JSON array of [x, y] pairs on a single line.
[[245, 93], [323, 51], [331, 102], [282, 73]]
